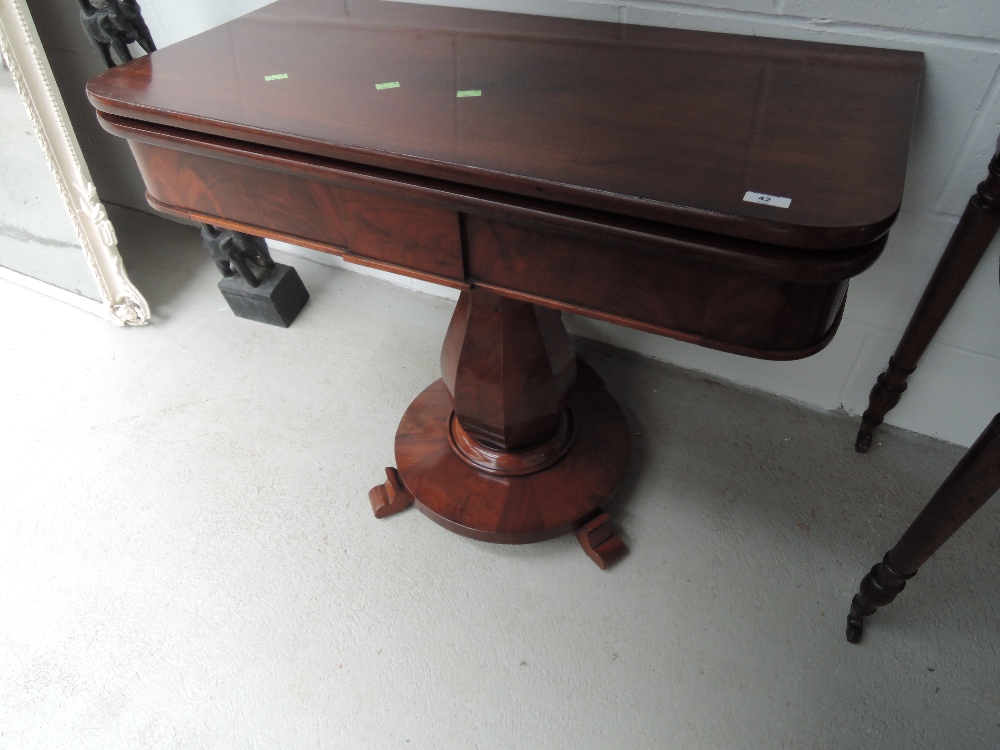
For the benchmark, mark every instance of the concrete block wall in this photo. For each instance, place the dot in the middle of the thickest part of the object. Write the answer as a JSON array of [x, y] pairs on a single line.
[[957, 387]]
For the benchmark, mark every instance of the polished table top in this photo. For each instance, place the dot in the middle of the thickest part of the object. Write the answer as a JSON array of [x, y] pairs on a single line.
[[667, 125]]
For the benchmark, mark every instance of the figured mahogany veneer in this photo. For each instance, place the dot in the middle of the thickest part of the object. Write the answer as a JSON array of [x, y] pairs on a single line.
[[601, 169], [729, 294]]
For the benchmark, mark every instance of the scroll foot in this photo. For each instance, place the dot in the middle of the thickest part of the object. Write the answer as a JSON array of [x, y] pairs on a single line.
[[599, 541], [391, 497]]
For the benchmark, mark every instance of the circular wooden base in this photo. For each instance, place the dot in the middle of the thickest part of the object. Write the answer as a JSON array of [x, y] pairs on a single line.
[[514, 509]]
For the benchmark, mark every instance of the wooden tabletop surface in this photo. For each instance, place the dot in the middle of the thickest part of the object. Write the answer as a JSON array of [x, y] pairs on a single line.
[[662, 124]]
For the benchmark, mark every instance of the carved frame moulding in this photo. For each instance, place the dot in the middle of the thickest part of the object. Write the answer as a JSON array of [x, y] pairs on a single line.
[[120, 302]]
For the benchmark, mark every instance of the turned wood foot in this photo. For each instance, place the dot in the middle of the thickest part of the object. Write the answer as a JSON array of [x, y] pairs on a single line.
[[863, 441], [878, 588], [973, 481], [390, 497], [885, 394], [599, 540], [855, 628]]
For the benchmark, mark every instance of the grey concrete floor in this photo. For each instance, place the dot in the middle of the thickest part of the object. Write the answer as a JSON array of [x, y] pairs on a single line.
[[188, 558]]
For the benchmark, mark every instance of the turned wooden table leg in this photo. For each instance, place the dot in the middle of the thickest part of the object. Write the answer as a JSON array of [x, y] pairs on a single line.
[[971, 483], [519, 441], [976, 229]]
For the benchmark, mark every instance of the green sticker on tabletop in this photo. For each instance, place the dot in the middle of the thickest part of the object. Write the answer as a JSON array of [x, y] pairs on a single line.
[[276, 77], [471, 92], [390, 85]]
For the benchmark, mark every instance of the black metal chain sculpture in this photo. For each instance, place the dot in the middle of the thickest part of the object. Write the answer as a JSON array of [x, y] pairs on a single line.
[[112, 25], [269, 292], [235, 252]]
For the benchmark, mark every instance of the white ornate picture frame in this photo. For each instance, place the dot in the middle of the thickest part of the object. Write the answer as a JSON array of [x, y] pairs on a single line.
[[120, 301]]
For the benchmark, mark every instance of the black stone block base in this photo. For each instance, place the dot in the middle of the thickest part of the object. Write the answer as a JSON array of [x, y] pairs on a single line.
[[278, 300]]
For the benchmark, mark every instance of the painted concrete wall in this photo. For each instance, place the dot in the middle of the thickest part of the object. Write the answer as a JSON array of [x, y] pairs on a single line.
[[957, 387]]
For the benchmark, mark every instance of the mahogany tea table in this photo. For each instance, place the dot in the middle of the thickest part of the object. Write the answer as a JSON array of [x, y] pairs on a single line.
[[713, 188]]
